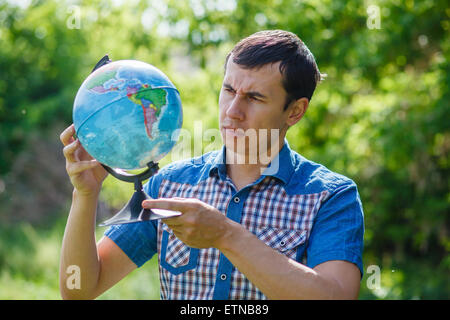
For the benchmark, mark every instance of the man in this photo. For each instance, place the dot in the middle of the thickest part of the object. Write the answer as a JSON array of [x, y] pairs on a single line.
[[249, 229]]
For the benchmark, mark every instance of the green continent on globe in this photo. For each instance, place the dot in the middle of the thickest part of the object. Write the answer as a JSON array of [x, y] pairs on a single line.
[[157, 96], [151, 101], [97, 82]]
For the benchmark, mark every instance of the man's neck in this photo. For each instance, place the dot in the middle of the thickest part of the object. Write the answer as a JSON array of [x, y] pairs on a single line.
[[243, 173]]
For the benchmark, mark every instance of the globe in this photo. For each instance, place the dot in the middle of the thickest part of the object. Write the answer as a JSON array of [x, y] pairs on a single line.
[[127, 114]]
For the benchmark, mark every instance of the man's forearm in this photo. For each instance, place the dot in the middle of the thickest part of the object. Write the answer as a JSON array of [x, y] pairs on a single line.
[[79, 248], [277, 276]]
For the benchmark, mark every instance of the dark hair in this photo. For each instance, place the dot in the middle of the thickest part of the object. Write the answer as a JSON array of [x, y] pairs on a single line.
[[298, 66]]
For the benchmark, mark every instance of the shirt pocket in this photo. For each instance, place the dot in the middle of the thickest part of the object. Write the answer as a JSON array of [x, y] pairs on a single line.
[[286, 241], [176, 257]]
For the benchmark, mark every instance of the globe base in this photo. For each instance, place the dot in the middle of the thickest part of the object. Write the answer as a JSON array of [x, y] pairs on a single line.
[[133, 211]]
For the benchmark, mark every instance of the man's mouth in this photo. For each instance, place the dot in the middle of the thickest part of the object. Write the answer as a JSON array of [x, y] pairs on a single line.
[[234, 132]]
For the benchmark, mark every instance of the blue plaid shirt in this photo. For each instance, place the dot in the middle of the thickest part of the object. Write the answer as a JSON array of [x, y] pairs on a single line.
[[303, 210]]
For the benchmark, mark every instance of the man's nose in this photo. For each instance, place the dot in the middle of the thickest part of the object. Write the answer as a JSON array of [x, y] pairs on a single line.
[[235, 109]]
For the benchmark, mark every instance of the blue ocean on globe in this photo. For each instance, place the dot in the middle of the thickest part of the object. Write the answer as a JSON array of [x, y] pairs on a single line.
[[127, 113]]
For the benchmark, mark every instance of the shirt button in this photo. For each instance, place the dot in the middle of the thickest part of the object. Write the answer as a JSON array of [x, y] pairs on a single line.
[[236, 199], [223, 276], [282, 243]]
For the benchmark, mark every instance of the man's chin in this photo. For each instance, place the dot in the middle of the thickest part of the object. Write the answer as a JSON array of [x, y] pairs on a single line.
[[239, 152], [236, 143]]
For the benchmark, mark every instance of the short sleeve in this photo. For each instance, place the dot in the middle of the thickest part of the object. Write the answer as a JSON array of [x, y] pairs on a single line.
[[138, 240], [338, 229]]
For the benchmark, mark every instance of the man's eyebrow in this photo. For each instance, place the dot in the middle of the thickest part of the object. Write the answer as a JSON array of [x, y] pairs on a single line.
[[227, 86], [249, 93], [256, 94]]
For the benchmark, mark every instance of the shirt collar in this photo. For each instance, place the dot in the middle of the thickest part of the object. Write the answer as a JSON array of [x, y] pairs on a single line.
[[281, 166], [218, 164]]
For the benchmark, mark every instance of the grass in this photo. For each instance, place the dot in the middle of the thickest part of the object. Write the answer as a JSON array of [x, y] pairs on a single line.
[[29, 266]]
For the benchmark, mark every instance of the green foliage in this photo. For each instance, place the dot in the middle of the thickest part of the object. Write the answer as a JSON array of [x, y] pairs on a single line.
[[29, 262], [381, 116]]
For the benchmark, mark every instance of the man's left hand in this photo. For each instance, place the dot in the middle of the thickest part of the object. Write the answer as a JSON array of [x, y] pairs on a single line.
[[199, 226]]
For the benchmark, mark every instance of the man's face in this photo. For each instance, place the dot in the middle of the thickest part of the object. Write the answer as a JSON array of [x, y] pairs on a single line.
[[251, 100]]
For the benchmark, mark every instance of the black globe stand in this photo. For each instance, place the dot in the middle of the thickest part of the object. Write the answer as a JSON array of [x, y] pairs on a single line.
[[133, 210]]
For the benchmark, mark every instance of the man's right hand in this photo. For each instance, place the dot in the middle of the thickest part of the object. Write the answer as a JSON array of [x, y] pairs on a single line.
[[86, 174]]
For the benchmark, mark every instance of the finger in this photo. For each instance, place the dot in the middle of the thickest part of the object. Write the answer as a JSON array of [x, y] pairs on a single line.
[[167, 204], [178, 233], [173, 222], [80, 166], [66, 136], [69, 151], [81, 153]]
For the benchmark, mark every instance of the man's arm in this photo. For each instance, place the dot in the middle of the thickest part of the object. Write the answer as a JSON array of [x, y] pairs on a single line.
[[277, 276], [100, 266]]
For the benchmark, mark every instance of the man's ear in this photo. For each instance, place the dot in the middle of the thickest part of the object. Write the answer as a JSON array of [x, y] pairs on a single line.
[[296, 111]]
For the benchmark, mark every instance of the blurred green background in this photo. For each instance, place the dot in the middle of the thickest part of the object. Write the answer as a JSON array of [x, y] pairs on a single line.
[[381, 117]]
